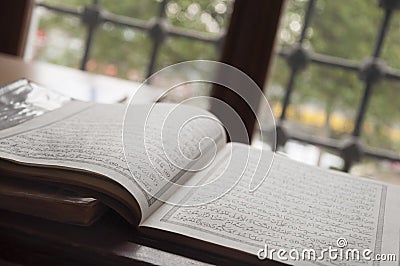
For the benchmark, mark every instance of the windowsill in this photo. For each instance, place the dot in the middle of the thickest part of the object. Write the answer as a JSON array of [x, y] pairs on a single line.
[[72, 82]]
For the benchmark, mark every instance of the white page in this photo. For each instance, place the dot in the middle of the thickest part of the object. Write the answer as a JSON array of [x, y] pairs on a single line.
[[89, 136], [297, 206]]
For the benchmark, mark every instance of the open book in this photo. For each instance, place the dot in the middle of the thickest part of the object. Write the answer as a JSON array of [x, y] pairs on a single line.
[[188, 185]]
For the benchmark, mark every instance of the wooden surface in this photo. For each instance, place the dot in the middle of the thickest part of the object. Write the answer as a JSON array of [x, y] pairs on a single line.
[[111, 241], [73, 82], [50, 202], [14, 23], [32, 241], [106, 243]]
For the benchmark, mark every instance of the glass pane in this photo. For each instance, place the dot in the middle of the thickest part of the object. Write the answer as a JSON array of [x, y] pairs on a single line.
[[59, 39], [391, 51], [120, 52], [275, 90], [382, 123], [346, 30], [292, 22], [204, 15], [176, 50], [323, 102], [140, 9], [328, 99], [67, 3]]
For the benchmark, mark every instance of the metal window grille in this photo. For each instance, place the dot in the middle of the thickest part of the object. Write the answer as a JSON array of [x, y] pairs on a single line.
[[158, 28], [370, 71]]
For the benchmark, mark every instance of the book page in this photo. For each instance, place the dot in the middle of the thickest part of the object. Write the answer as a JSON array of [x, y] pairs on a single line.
[[88, 137], [297, 207]]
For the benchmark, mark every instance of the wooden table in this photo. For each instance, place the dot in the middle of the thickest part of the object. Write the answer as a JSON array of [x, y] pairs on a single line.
[[72, 82]]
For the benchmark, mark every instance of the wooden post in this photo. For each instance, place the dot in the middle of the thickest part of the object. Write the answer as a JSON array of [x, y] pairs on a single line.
[[249, 47], [14, 23]]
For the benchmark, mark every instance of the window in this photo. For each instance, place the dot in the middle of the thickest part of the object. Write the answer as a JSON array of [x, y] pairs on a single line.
[[128, 39], [335, 83]]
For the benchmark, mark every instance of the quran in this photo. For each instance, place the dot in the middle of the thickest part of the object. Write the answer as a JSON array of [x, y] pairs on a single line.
[[178, 179]]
